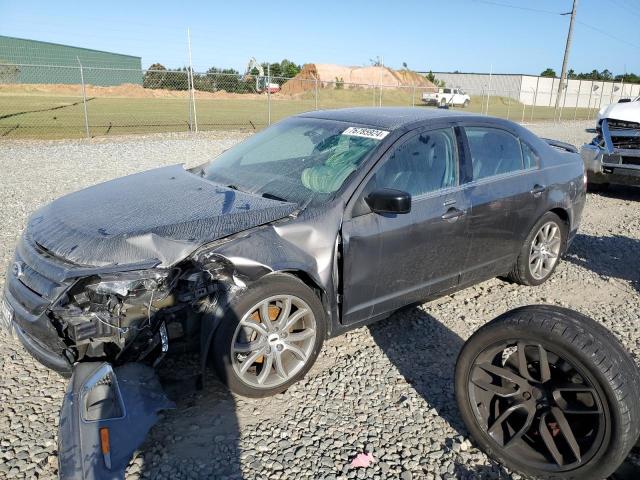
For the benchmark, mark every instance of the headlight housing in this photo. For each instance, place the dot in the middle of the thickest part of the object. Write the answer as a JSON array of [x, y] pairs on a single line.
[[130, 283]]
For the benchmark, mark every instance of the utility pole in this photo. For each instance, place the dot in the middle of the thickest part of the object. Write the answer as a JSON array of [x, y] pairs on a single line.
[[563, 75]]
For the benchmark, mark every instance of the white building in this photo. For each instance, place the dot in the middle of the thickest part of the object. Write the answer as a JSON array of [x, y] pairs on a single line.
[[541, 91]]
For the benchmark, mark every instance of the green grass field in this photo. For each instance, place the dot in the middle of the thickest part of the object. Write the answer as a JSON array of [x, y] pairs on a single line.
[[50, 116]]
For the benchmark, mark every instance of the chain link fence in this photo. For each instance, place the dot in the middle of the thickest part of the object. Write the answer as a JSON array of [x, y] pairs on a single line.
[[66, 102]]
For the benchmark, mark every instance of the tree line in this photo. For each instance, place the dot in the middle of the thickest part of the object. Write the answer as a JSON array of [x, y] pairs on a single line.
[[215, 79], [604, 75]]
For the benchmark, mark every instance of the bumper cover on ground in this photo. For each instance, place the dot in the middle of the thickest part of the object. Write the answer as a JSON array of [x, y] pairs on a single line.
[[124, 400]]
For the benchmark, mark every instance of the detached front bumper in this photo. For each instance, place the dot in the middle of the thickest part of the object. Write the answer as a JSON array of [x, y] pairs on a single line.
[[619, 167], [105, 416]]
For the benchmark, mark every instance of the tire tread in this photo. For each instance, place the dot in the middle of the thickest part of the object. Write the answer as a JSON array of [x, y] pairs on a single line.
[[604, 353]]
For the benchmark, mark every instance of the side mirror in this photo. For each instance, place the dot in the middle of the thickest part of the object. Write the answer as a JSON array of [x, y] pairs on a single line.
[[389, 200]]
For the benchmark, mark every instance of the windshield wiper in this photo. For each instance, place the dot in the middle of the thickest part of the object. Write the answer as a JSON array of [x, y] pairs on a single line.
[[274, 197]]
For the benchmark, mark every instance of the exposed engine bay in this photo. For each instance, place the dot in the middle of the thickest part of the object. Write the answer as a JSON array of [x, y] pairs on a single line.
[[132, 316]]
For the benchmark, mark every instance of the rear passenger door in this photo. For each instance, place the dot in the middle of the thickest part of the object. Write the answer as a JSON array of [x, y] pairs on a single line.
[[505, 196]]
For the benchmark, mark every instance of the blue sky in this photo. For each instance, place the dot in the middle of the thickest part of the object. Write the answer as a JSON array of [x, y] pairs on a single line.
[[465, 35]]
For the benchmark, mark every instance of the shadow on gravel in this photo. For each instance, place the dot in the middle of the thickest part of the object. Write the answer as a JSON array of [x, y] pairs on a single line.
[[480, 472], [622, 192], [200, 438], [424, 351], [612, 256]]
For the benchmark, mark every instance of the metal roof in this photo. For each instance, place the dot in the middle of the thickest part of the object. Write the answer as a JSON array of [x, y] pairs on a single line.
[[389, 118]]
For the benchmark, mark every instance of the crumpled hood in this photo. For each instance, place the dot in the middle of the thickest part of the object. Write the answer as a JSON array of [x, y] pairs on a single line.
[[162, 214], [627, 111]]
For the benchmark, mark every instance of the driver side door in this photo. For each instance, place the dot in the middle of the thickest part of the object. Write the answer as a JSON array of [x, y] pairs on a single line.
[[391, 260]]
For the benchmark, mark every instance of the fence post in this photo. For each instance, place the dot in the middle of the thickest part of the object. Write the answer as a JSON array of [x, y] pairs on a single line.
[[193, 90], [269, 93], [535, 99], [316, 88], [524, 106], [84, 100], [575, 110], [413, 96]]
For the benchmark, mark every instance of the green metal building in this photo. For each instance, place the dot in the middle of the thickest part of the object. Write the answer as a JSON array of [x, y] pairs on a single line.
[[32, 61]]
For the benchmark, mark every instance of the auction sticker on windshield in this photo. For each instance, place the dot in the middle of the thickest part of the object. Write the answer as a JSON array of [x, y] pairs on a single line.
[[366, 133]]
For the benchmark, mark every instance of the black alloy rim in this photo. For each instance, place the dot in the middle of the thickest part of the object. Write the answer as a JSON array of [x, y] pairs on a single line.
[[537, 406]]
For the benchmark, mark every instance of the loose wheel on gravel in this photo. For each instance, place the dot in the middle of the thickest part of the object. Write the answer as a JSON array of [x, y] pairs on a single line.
[[550, 393], [270, 337]]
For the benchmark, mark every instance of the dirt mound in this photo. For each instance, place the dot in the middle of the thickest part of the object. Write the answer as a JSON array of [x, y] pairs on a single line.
[[328, 74], [126, 90]]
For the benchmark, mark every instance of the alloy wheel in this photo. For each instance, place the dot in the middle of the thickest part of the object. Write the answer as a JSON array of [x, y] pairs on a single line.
[[545, 250], [536, 405], [273, 341]]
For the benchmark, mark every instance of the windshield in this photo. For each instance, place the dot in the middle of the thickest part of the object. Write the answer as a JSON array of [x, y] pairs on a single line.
[[299, 160]]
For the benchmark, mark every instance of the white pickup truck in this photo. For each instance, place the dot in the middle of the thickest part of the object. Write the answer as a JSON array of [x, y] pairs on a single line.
[[454, 97]]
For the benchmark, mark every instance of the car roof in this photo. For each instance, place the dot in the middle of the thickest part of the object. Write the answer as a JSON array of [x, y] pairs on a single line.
[[388, 118]]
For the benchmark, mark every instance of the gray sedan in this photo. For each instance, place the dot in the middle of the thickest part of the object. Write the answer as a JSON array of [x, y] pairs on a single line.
[[321, 223]]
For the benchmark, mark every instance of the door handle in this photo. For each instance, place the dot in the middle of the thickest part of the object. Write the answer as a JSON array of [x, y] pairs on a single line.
[[537, 190], [452, 214]]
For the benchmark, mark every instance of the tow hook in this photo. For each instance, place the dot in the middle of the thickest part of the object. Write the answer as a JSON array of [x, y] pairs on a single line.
[[106, 415]]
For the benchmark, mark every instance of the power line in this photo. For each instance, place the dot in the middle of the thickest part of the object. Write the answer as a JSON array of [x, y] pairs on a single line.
[[607, 34], [549, 12], [626, 7], [518, 7]]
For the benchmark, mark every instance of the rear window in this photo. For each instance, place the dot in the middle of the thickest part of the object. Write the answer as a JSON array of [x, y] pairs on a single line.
[[529, 157], [493, 152]]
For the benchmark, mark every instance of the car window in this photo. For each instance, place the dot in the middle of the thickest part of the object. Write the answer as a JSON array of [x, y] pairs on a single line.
[[292, 143], [528, 155], [422, 164], [300, 160], [493, 152], [447, 90]]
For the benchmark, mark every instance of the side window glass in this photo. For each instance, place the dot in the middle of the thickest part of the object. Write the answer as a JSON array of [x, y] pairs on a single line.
[[422, 164], [493, 152], [528, 155], [447, 90]]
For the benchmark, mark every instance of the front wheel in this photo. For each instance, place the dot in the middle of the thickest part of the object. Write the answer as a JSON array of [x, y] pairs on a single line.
[[269, 337], [550, 393], [465, 104]]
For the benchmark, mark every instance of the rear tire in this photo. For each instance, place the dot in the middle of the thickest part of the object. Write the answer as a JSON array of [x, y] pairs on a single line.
[[290, 309], [587, 371], [550, 250]]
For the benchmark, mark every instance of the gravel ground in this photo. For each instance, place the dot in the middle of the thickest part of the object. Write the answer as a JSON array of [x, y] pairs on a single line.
[[385, 389]]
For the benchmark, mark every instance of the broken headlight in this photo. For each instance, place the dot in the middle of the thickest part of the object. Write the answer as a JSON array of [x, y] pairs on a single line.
[[130, 283]]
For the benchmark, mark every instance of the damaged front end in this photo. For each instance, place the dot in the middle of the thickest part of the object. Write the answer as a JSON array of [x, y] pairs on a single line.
[[109, 330], [65, 314], [613, 156]]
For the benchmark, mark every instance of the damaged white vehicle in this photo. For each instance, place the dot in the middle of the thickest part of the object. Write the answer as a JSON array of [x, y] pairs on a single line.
[[613, 156]]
